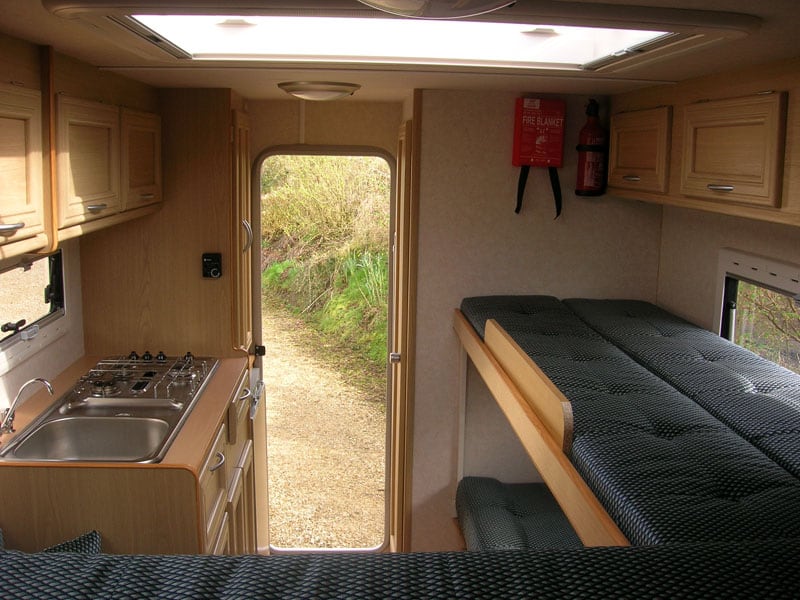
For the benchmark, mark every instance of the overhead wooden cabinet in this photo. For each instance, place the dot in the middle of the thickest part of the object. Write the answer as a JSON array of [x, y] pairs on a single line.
[[22, 211], [141, 158], [88, 160], [733, 149], [639, 149]]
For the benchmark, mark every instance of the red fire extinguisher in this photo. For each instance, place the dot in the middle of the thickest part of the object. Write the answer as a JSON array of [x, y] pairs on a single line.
[[592, 149]]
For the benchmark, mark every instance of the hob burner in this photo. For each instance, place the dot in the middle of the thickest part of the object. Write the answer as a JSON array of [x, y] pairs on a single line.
[[105, 387]]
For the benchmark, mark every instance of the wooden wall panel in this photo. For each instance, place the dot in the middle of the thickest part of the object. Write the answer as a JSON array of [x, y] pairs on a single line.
[[142, 283]]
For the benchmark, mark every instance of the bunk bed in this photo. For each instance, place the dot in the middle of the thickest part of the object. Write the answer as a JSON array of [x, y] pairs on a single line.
[[646, 429]]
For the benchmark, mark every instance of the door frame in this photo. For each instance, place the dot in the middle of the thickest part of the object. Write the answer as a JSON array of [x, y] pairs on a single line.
[[398, 435]]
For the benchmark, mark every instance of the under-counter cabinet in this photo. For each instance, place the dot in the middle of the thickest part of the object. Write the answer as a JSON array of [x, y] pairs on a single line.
[[733, 149], [141, 158], [22, 211], [88, 160], [639, 149]]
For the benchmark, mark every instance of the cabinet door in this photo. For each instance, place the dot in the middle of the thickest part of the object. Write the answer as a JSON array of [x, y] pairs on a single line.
[[733, 149], [21, 196], [639, 153], [141, 158], [243, 234], [213, 490], [88, 160]]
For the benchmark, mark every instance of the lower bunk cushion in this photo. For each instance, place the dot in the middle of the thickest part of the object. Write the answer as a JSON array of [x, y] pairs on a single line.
[[511, 516], [753, 396]]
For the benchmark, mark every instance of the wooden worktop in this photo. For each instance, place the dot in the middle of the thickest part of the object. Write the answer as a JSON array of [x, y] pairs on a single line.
[[193, 440]]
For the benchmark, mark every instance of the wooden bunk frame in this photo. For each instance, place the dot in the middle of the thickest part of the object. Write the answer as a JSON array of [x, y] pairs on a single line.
[[541, 417]]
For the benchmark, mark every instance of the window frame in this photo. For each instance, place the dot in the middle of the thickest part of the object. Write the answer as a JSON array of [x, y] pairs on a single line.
[[35, 336], [736, 265]]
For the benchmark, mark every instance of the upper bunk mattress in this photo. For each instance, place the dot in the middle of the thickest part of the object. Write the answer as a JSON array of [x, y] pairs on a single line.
[[755, 397]]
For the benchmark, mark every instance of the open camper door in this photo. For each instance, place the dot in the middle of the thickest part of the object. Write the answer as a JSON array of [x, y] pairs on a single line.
[[401, 350]]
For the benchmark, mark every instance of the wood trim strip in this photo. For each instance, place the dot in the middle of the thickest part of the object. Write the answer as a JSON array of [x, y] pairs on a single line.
[[587, 516], [547, 401]]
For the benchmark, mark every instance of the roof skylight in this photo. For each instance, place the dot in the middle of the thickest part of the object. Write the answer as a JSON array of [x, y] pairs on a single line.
[[387, 41]]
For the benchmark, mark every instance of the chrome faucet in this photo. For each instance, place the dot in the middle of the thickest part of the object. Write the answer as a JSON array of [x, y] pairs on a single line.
[[7, 424]]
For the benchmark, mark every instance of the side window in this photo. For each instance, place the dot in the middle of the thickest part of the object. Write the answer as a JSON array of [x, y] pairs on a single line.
[[30, 296], [761, 314]]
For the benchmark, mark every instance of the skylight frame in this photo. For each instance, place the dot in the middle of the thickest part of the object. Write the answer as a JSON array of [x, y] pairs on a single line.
[[290, 50]]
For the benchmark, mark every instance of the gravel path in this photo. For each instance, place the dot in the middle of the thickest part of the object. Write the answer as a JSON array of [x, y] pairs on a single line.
[[326, 439]]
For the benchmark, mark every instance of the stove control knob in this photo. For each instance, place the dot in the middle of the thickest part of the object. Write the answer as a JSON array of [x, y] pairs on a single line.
[[133, 356], [161, 357], [147, 356]]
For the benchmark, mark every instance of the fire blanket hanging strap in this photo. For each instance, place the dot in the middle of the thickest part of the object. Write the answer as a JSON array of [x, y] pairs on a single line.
[[539, 142]]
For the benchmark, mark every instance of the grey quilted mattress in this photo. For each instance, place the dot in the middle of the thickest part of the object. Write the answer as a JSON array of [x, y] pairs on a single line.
[[746, 571], [755, 397], [665, 469]]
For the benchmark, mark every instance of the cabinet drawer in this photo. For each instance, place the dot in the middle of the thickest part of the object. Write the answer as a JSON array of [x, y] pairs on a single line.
[[238, 417], [222, 543], [639, 151], [213, 488], [733, 149]]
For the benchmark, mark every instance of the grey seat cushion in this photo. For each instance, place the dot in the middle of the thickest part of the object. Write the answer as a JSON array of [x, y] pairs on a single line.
[[511, 516], [739, 571]]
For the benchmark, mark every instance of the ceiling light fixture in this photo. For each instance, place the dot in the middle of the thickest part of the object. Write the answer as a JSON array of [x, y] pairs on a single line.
[[438, 9], [319, 90]]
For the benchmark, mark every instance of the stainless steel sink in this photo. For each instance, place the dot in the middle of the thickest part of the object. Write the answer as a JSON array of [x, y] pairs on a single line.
[[134, 439]]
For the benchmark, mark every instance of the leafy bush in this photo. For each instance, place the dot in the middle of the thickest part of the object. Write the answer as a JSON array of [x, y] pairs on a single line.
[[325, 228]]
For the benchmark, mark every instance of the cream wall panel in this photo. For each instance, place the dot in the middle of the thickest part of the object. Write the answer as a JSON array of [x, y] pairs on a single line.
[[691, 241], [472, 243]]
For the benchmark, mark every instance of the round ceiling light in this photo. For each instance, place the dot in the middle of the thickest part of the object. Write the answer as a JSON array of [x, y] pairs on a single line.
[[319, 90], [437, 9]]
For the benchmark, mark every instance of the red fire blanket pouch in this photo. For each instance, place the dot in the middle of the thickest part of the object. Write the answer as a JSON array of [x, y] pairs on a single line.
[[539, 142]]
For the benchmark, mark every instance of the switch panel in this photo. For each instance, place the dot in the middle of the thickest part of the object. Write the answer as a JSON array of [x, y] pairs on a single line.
[[212, 265]]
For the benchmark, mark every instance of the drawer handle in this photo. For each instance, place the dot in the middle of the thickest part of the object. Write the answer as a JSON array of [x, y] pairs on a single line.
[[220, 462], [246, 393], [714, 187], [11, 228], [631, 178], [146, 196], [96, 208]]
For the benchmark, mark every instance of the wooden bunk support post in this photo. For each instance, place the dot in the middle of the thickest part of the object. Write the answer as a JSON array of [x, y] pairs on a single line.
[[584, 511]]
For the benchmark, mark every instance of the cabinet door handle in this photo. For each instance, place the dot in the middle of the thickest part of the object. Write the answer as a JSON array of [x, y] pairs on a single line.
[[96, 208], [220, 462], [631, 178], [715, 187], [249, 230], [246, 393], [146, 196], [11, 228]]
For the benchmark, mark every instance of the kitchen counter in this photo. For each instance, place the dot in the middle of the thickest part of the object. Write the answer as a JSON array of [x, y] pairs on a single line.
[[137, 507]]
